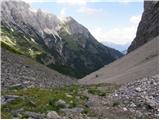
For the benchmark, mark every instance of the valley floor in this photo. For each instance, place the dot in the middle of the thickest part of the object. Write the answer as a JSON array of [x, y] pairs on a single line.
[[138, 99]]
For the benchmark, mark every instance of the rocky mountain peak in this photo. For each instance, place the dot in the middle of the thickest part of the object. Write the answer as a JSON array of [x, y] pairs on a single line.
[[73, 27], [148, 27]]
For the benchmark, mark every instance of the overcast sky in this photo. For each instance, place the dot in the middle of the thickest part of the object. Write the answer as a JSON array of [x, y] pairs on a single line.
[[111, 21]]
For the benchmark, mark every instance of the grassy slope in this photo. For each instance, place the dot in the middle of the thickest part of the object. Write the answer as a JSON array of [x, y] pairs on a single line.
[[19, 44]]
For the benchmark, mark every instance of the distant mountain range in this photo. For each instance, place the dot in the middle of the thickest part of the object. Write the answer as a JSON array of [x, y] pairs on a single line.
[[59, 43], [119, 47]]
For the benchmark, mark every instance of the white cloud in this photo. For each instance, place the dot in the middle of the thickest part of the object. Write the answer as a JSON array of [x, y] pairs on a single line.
[[116, 35], [72, 2], [89, 11], [31, 1], [135, 19], [62, 12]]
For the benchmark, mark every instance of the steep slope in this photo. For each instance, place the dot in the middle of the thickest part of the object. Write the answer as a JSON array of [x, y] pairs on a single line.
[[148, 27], [20, 71], [140, 63], [62, 44]]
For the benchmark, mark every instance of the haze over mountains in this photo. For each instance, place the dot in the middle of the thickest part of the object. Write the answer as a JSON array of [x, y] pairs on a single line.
[[119, 47], [61, 44]]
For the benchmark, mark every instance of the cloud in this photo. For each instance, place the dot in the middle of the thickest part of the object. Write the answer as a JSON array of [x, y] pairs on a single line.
[[116, 35], [89, 11], [72, 2], [31, 1], [63, 12], [135, 19]]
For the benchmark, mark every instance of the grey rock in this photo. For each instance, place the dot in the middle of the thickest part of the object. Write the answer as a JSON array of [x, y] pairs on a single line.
[[8, 98], [138, 89], [73, 110], [16, 113], [61, 103], [34, 115], [16, 86], [124, 108], [68, 95], [52, 115], [139, 114], [89, 103], [151, 102], [132, 105]]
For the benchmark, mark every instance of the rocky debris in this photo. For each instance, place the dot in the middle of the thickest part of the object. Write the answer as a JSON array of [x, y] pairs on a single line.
[[34, 115], [149, 25], [15, 75], [8, 98], [73, 113], [73, 110], [140, 97], [61, 103], [52, 115]]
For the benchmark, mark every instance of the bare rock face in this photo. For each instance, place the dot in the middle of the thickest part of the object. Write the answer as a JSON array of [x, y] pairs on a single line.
[[149, 25]]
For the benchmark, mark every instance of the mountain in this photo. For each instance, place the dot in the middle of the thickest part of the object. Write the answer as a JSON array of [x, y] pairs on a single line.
[[148, 27], [59, 43], [142, 62]]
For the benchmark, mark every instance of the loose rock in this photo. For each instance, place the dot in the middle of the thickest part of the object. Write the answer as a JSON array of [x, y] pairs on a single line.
[[52, 115]]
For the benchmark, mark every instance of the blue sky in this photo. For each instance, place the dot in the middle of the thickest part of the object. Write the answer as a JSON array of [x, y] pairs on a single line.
[[112, 21]]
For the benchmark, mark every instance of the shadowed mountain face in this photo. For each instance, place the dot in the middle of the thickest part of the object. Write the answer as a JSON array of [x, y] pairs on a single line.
[[149, 25], [60, 43]]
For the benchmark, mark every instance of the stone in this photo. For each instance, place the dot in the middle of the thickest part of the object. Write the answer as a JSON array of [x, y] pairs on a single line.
[[89, 103], [74, 110], [8, 98], [139, 114], [16, 86], [124, 109], [52, 115], [67, 95], [34, 115], [138, 89], [132, 105], [151, 102], [16, 113], [116, 94], [61, 103]]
